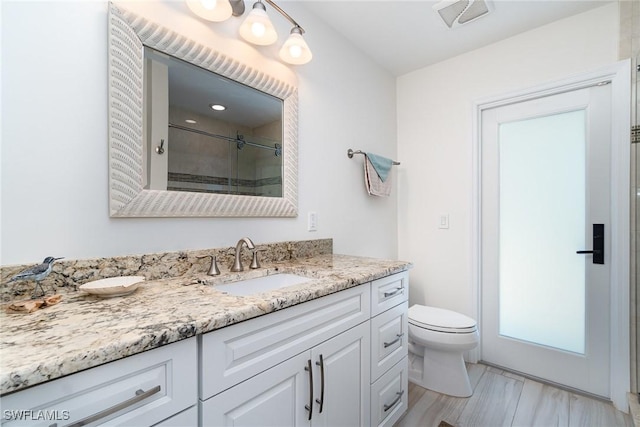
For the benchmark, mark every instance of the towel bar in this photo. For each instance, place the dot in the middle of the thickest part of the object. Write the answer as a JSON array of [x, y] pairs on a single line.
[[350, 154]]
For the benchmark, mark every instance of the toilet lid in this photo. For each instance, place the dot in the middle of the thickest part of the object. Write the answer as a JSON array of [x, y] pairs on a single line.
[[440, 319]]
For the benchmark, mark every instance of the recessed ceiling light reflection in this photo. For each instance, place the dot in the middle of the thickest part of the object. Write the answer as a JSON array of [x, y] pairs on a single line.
[[217, 107], [191, 121]]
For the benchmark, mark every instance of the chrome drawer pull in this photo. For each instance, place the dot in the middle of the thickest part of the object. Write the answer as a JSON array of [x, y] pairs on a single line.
[[390, 294], [395, 401], [309, 407], [389, 344], [321, 400], [140, 396]]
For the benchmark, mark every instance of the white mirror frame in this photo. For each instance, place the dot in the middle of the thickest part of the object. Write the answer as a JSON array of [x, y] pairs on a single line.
[[128, 34]]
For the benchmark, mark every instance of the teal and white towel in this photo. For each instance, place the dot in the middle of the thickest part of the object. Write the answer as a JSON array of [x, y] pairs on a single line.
[[382, 165], [376, 175]]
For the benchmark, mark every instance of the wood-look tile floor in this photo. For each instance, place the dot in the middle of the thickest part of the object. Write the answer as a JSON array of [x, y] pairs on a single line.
[[501, 398]]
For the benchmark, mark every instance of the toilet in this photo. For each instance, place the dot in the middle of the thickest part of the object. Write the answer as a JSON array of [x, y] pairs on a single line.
[[437, 340]]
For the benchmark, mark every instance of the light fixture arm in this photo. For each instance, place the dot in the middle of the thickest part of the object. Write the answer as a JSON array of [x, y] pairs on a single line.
[[285, 14], [237, 6]]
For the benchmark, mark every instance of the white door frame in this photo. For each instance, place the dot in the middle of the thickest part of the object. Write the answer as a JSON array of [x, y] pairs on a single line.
[[620, 76]]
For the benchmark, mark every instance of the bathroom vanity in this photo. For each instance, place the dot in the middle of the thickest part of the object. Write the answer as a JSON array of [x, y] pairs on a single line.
[[182, 352]]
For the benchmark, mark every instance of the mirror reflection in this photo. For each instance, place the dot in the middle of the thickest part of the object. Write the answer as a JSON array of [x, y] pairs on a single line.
[[206, 133]]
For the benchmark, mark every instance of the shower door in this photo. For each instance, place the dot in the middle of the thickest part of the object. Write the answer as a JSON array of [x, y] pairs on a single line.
[[545, 203]]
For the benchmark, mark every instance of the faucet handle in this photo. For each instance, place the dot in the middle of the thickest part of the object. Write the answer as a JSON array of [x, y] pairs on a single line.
[[213, 269], [255, 263]]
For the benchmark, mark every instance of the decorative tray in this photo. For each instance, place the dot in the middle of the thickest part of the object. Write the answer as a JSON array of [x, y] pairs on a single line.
[[113, 286]]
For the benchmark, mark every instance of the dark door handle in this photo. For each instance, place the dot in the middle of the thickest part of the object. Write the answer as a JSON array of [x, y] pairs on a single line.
[[598, 244], [309, 407]]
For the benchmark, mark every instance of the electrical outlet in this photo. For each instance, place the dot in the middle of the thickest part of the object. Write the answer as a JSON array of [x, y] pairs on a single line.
[[312, 221]]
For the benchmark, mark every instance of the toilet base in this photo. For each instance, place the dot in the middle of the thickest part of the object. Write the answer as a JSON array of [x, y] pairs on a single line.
[[441, 372]]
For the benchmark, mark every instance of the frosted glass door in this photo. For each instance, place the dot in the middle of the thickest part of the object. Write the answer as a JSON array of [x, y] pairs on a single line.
[[542, 222], [545, 181]]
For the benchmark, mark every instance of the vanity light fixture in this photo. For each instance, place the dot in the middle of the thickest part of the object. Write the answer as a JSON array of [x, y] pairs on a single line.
[[211, 10], [258, 29], [295, 50]]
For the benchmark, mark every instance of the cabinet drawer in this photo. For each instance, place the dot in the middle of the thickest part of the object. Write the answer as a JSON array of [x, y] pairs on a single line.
[[389, 395], [188, 417], [389, 339], [388, 292], [238, 352], [139, 390]]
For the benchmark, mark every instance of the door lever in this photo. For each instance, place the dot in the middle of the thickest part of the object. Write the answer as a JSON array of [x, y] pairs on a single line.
[[598, 244]]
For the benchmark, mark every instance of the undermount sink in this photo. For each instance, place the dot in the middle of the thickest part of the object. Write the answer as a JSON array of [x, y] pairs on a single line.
[[262, 284]]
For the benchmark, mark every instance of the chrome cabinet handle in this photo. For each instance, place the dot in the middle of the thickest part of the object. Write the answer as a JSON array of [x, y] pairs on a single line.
[[309, 407], [160, 148], [388, 344], [321, 400], [140, 396], [390, 294], [395, 401]]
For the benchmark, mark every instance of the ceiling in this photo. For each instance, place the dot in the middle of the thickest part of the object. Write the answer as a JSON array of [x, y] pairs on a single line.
[[403, 36]]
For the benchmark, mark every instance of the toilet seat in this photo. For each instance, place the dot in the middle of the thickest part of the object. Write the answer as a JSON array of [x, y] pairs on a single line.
[[441, 320]]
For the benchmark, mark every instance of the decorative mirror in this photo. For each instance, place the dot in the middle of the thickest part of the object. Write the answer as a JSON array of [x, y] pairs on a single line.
[[152, 172]]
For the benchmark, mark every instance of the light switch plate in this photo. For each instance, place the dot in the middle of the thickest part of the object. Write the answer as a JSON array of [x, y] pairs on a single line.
[[443, 221]]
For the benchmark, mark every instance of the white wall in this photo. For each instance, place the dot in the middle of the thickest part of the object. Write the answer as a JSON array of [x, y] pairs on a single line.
[[54, 185], [435, 107]]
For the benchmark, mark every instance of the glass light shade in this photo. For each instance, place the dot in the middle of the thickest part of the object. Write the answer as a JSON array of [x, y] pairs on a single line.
[[295, 50], [211, 10], [257, 27]]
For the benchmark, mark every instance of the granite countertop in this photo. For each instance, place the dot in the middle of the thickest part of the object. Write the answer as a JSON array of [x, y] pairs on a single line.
[[84, 331]]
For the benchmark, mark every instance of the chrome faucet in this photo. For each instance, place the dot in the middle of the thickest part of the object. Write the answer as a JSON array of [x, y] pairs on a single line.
[[237, 262]]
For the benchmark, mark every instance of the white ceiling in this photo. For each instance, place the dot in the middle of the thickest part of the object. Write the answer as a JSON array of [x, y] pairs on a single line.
[[403, 36]]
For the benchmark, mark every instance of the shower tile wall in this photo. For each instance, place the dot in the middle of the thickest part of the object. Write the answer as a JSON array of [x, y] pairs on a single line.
[[202, 163]]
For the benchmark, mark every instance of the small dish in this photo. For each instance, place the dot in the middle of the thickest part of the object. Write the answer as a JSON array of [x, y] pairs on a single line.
[[113, 286]]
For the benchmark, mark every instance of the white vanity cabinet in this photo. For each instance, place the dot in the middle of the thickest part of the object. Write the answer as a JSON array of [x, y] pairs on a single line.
[[145, 389], [324, 386], [389, 349], [336, 360], [306, 365]]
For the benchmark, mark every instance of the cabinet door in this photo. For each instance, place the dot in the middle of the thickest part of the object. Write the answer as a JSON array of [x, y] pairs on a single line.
[[341, 379], [276, 397]]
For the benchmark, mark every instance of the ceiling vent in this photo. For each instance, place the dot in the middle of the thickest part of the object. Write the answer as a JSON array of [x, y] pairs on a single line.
[[457, 12]]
